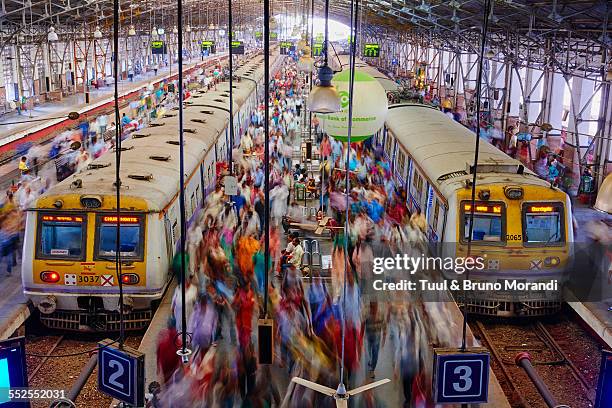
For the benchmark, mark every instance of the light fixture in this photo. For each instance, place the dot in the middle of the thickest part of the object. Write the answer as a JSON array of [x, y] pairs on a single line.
[[211, 26], [132, 30], [161, 31], [490, 54], [97, 33], [188, 28], [174, 30], [154, 34], [52, 36], [324, 97], [221, 33]]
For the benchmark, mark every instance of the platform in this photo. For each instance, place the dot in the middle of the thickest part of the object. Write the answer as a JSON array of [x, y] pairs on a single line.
[[15, 309]]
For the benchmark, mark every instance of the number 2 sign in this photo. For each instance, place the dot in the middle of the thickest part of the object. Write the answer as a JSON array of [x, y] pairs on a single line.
[[461, 376], [121, 373]]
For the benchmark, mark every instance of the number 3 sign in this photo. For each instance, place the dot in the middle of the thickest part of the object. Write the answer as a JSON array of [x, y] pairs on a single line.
[[121, 373], [461, 377]]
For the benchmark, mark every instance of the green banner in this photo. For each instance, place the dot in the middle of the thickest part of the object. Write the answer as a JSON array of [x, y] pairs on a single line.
[[317, 49]]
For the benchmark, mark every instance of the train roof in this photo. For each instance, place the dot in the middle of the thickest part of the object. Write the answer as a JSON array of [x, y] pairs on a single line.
[[444, 149], [341, 62], [205, 118]]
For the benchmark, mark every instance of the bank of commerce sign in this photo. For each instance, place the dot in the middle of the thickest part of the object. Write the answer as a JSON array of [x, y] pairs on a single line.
[[369, 107]]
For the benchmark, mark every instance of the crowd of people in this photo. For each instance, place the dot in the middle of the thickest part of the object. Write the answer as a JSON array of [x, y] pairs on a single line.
[[225, 282]]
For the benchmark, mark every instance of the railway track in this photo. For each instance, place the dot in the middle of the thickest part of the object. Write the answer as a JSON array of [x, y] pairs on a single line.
[[565, 356], [48, 371]]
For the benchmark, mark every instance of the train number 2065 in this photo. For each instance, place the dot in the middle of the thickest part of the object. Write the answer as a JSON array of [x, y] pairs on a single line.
[[514, 237], [89, 279]]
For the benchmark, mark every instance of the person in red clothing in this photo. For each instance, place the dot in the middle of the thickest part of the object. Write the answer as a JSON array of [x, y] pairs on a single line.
[[167, 359]]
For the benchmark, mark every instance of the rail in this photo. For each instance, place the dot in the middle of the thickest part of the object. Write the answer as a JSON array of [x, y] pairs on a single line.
[[523, 360]]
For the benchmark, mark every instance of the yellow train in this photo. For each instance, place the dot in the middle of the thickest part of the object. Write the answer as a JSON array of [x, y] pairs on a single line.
[[68, 268], [522, 226]]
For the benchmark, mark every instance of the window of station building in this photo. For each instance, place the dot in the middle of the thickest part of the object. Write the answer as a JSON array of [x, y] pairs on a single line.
[[131, 237], [417, 182], [61, 236], [543, 224]]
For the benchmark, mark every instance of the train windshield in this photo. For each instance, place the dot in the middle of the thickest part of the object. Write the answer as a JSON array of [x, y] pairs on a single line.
[[543, 224], [130, 240], [488, 223], [61, 236]]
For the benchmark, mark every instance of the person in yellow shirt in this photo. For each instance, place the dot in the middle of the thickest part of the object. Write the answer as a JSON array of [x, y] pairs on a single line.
[[23, 165], [447, 105]]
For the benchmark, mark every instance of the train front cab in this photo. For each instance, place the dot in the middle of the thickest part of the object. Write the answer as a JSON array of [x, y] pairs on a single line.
[[524, 233], [69, 268]]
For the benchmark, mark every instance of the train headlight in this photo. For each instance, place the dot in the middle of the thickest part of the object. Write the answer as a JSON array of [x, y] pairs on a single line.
[[49, 276], [552, 261], [484, 194], [47, 305], [513, 193]]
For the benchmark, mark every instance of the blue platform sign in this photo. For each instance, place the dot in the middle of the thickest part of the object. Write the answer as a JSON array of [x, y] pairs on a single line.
[[394, 61], [13, 372], [603, 398], [121, 373], [461, 377]]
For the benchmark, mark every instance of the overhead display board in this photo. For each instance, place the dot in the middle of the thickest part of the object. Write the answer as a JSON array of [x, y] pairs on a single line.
[[286, 47], [371, 50], [237, 47], [209, 46], [158, 47]]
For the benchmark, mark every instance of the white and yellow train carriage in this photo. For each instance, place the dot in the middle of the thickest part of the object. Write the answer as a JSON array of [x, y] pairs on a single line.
[[522, 225], [68, 268]]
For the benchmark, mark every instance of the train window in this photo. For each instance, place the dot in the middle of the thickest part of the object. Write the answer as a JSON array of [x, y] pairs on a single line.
[[543, 224], [436, 214], [131, 237], [61, 236], [389, 144], [401, 162], [193, 203], [489, 223]]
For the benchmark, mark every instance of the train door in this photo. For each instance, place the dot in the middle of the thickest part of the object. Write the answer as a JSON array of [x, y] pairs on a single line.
[[169, 241]]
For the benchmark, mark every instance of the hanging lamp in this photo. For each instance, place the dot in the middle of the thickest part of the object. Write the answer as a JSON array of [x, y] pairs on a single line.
[[132, 31], [97, 33], [324, 97], [52, 36]]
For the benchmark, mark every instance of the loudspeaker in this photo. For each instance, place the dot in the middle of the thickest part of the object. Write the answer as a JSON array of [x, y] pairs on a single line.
[[265, 341], [47, 84], [86, 97], [308, 150]]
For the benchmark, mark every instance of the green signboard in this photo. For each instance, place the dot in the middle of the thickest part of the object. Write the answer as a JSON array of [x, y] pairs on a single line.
[[371, 50], [209, 45], [319, 38], [258, 35], [237, 47], [158, 47], [317, 49], [273, 35]]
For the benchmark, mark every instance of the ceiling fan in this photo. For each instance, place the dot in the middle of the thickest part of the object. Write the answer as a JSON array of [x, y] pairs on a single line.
[[341, 395]]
